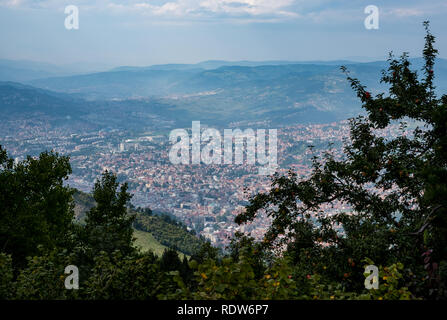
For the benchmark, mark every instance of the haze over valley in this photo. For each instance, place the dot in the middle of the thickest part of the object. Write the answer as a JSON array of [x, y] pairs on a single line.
[[120, 120]]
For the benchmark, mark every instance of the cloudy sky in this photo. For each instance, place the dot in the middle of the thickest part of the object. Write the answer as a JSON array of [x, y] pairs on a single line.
[[145, 32]]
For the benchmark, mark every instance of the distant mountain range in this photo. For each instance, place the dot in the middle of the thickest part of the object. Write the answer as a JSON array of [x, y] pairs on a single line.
[[24, 102], [19, 101], [24, 70], [216, 92]]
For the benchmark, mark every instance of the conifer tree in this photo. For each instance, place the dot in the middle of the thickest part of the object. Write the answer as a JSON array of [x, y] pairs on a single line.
[[108, 224]]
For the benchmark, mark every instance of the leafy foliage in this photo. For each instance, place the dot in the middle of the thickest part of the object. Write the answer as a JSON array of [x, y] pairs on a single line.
[[121, 277], [396, 188], [35, 206]]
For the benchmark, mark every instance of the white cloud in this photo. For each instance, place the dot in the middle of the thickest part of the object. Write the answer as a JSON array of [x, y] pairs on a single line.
[[426, 9], [54, 4], [234, 10], [174, 8], [213, 8], [250, 7], [406, 12]]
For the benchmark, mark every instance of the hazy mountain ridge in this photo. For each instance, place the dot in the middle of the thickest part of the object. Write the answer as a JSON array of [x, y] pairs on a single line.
[[24, 102], [175, 94], [17, 98], [25, 70]]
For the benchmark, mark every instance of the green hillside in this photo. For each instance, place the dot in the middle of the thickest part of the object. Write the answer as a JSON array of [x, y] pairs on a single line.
[[146, 242], [169, 233]]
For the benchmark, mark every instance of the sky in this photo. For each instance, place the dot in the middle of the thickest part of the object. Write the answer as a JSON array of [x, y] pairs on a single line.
[[147, 32]]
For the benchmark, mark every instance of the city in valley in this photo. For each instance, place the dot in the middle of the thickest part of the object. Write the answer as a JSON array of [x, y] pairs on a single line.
[[204, 197]]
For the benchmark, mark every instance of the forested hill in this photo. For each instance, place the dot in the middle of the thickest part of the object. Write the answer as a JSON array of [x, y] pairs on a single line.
[[162, 230]]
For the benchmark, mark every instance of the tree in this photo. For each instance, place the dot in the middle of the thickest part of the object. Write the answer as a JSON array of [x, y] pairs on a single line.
[[136, 277], [35, 206], [185, 271], [108, 225], [245, 247], [397, 188], [170, 260], [206, 252]]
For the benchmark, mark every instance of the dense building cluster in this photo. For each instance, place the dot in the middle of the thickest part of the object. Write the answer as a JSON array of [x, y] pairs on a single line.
[[205, 197]]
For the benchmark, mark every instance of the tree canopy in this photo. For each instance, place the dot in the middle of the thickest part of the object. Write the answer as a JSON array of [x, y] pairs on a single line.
[[396, 187]]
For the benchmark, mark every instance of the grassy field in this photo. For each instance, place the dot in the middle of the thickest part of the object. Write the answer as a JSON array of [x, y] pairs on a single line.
[[145, 241]]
